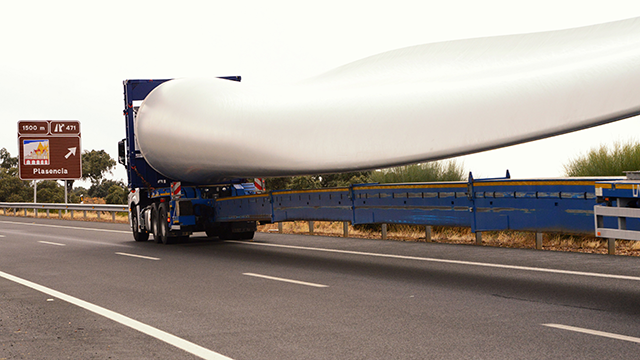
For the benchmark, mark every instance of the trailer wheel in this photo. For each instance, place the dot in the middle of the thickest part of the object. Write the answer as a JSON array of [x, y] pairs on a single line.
[[227, 234], [137, 236], [247, 235], [163, 224]]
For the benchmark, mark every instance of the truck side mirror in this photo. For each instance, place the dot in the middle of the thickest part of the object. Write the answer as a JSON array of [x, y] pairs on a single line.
[[122, 152]]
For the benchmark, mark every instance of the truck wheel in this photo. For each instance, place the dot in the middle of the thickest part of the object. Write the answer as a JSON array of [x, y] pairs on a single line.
[[247, 235], [154, 222], [212, 232], [137, 236], [163, 224], [227, 234]]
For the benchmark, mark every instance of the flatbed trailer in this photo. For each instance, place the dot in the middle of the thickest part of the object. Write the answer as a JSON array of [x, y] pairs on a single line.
[[536, 205], [172, 210]]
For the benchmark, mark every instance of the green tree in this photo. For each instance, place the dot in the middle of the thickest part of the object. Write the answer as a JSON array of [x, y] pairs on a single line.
[[6, 161], [12, 189], [604, 161], [425, 172], [77, 194], [49, 191], [304, 182], [118, 194], [96, 164], [344, 179], [101, 189], [279, 183]]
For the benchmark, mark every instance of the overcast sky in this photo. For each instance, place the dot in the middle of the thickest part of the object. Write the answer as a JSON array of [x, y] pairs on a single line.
[[66, 60]]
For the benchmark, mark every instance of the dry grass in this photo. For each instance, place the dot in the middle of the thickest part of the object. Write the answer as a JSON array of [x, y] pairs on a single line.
[[510, 239]]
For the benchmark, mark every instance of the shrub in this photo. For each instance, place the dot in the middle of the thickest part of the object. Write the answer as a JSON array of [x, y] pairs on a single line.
[[603, 161], [432, 171]]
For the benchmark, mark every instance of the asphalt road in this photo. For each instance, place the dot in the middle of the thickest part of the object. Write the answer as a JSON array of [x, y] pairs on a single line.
[[72, 290]]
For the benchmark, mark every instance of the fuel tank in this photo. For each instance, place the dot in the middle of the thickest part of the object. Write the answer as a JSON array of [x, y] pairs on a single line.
[[415, 104]]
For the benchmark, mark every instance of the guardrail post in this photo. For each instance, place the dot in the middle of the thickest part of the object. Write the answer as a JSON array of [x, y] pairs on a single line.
[[14, 211], [427, 233], [539, 241], [47, 213], [25, 212], [345, 229], [310, 227], [384, 231], [84, 213], [113, 216], [98, 214], [280, 227], [611, 246], [71, 214], [59, 214], [478, 238]]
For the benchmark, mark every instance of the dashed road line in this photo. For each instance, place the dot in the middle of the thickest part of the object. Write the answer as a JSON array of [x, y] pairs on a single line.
[[446, 261], [138, 256], [51, 243], [171, 339], [594, 332], [286, 280]]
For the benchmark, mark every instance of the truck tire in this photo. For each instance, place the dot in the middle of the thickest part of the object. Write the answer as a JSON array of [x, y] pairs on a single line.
[[227, 234], [245, 235], [211, 233], [163, 224], [154, 222], [137, 236]]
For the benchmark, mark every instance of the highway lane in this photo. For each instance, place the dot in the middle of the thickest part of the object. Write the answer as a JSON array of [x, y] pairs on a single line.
[[292, 297]]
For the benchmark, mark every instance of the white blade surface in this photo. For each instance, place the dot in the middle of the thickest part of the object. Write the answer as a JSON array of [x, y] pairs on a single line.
[[421, 103]]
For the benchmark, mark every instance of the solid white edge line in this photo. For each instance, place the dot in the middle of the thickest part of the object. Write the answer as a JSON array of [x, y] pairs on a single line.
[[286, 280], [138, 256], [594, 332], [65, 227], [445, 261], [51, 243], [170, 339], [2, 236]]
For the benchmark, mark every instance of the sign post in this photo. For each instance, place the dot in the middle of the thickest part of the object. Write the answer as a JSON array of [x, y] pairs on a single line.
[[49, 150]]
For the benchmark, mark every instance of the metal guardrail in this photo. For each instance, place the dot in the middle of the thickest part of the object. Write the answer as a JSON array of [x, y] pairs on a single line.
[[97, 208]]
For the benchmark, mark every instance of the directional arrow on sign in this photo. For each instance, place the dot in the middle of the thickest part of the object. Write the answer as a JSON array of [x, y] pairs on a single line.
[[72, 151]]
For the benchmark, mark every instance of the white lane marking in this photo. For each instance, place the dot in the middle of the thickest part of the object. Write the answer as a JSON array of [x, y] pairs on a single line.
[[445, 261], [66, 227], [138, 256], [51, 243], [2, 236], [286, 280], [124, 320], [594, 332]]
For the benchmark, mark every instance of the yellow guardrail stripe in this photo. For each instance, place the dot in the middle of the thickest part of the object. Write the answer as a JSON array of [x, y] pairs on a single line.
[[243, 197]]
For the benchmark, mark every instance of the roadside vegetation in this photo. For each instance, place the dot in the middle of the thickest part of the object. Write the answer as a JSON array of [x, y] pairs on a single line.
[[606, 161], [425, 172], [455, 235]]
